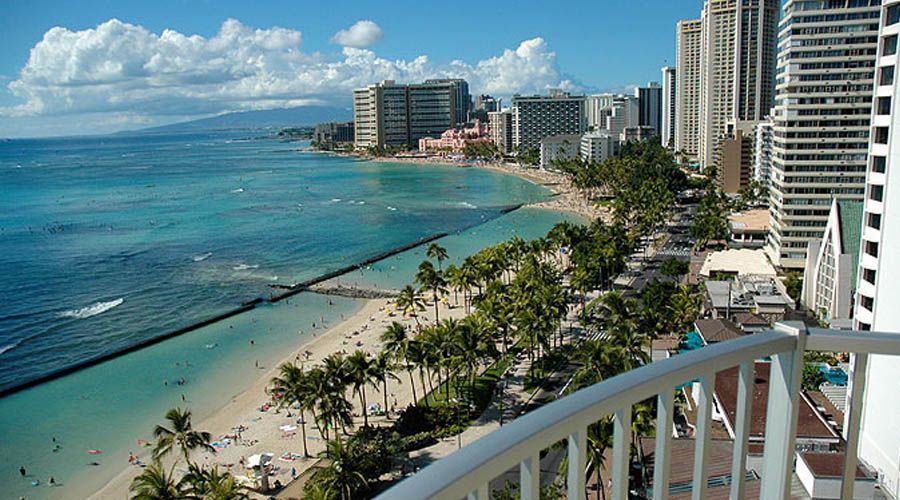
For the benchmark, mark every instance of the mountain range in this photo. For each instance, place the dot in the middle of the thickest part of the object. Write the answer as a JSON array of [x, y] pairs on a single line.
[[260, 119]]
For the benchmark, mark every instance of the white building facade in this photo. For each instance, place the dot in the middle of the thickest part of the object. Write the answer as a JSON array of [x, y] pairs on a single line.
[[669, 95], [598, 146], [878, 287], [762, 151]]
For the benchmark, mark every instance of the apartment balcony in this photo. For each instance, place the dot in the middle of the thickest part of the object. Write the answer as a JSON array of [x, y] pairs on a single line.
[[468, 473]]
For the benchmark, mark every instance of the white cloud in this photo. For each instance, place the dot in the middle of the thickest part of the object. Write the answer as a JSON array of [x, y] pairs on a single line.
[[121, 69], [361, 35]]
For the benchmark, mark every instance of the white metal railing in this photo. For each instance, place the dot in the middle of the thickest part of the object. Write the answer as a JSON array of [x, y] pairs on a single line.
[[468, 472]]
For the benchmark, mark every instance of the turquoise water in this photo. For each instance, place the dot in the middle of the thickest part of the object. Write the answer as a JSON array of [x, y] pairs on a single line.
[[834, 376], [126, 219], [692, 341]]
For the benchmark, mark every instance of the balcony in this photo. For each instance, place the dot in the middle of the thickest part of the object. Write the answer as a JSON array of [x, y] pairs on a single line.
[[518, 445]]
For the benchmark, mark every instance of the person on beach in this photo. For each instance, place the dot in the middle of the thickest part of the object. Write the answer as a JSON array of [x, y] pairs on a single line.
[[52, 481], [182, 397], [22, 471]]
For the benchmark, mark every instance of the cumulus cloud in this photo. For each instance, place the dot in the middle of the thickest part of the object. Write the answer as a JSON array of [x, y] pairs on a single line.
[[122, 69], [361, 35]]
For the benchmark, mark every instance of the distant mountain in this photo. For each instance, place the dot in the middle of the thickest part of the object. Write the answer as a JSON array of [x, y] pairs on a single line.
[[262, 119]]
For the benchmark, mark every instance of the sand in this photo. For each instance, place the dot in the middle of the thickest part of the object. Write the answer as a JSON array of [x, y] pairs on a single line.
[[263, 434]]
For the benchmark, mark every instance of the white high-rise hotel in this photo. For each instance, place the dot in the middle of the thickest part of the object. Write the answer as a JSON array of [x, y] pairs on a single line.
[[878, 286], [826, 54]]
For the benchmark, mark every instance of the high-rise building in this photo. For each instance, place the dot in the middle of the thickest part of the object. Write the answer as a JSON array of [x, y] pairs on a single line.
[[598, 146], [500, 130], [878, 285], [649, 101], [537, 117], [487, 103], [733, 159], [391, 114], [737, 55], [821, 118], [687, 88], [461, 98], [596, 108], [762, 155], [328, 135], [667, 134]]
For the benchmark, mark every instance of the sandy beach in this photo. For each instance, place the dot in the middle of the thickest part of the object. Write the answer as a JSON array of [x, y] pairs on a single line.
[[261, 431], [565, 197]]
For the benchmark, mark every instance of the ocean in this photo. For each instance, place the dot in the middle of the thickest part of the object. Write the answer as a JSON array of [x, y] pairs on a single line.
[[108, 241]]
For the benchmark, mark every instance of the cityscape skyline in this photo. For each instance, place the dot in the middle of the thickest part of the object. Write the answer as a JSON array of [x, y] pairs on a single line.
[[287, 61]]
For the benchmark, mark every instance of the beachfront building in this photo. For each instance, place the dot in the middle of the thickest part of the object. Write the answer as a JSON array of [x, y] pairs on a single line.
[[762, 151], [669, 95], [733, 159], [821, 119], [500, 128], [455, 139], [459, 89], [559, 147], [831, 264], [687, 89], [487, 103], [598, 146], [391, 114], [737, 67], [536, 117], [649, 101], [878, 286], [332, 134]]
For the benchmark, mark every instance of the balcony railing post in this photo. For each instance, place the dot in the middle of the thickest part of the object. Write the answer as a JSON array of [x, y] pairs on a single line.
[[482, 493], [706, 389], [781, 416], [746, 376], [852, 423], [621, 453], [665, 412], [577, 458], [530, 477]]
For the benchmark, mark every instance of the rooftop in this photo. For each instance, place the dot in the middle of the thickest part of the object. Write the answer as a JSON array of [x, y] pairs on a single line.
[[810, 425], [740, 261], [682, 468], [829, 465], [717, 330], [749, 221]]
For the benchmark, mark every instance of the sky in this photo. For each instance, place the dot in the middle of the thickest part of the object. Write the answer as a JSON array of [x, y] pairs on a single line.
[[99, 66]]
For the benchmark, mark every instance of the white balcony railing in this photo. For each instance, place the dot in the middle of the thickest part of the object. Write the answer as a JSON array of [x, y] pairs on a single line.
[[468, 472]]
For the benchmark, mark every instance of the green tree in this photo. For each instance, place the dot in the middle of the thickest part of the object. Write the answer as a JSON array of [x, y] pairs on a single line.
[[673, 267], [360, 374], [437, 252], [432, 279], [293, 386], [410, 302], [396, 343], [793, 283], [156, 483], [181, 435]]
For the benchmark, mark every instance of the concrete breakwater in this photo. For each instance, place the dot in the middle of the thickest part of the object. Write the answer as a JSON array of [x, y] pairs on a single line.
[[249, 305], [353, 292]]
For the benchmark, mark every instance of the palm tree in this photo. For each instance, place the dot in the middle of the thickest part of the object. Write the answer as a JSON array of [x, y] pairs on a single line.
[[155, 483], [456, 280], [433, 280], [181, 435], [342, 474], [209, 484], [382, 369], [359, 373], [437, 252], [684, 308], [293, 385], [599, 439], [396, 343], [615, 308], [410, 302], [333, 403], [633, 343], [417, 355]]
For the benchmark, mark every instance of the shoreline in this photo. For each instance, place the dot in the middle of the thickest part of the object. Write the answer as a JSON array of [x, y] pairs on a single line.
[[359, 331]]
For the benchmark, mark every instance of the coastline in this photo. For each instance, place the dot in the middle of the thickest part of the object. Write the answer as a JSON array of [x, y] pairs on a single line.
[[565, 197], [360, 331]]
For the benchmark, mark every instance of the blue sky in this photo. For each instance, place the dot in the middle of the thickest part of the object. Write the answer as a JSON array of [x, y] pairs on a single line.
[[94, 75]]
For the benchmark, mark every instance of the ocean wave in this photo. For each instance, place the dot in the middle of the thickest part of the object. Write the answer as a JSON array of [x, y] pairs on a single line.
[[201, 258], [335, 200], [244, 267], [466, 204], [8, 347], [92, 310], [237, 191]]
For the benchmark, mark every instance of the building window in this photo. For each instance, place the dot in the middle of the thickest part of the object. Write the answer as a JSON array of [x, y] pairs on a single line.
[[875, 221], [866, 302], [876, 192], [889, 45], [872, 248], [865, 327], [869, 275], [881, 135], [884, 106], [878, 164], [887, 75], [892, 15]]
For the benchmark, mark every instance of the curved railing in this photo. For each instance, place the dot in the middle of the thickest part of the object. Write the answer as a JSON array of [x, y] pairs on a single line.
[[468, 472]]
